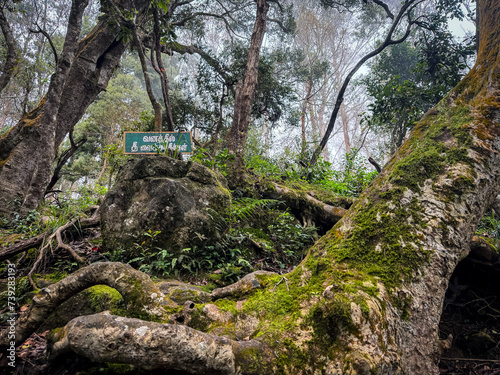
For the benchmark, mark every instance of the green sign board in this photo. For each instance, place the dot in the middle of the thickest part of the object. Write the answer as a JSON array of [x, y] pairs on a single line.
[[153, 143]]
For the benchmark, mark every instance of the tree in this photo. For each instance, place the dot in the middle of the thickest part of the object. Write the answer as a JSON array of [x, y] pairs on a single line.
[[245, 93], [401, 24], [82, 72], [406, 81], [368, 296], [11, 60]]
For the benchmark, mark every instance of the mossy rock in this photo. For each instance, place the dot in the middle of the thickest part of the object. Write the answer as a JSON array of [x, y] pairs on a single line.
[[176, 199]]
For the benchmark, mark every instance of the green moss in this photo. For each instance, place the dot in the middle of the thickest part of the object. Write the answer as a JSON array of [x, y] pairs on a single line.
[[443, 142], [55, 276], [365, 309], [250, 359], [198, 319], [103, 297], [329, 318], [402, 303], [384, 242], [56, 334], [226, 305]]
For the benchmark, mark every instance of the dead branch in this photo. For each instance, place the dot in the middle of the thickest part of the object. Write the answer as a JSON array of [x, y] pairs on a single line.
[[138, 291], [24, 245], [83, 223]]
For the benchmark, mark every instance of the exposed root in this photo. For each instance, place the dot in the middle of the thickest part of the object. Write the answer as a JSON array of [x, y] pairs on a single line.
[[306, 206], [150, 345], [240, 287], [57, 235], [19, 247], [483, 249], [141, 295]]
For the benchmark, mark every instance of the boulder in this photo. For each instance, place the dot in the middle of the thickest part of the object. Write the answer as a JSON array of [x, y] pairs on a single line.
[[182, 200]]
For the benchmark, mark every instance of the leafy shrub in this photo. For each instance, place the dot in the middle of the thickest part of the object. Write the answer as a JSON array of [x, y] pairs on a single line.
[[353, 177], [489, 226]]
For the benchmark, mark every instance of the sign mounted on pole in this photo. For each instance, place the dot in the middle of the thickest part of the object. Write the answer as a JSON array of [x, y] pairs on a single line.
[[157, 143]]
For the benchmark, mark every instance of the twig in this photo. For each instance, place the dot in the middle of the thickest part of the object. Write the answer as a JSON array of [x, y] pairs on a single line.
[[286, 282]]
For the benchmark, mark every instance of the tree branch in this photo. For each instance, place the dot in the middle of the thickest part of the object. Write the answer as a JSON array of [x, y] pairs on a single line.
[[46, 35]]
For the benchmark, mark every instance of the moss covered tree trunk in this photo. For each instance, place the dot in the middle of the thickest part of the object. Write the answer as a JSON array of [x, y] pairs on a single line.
[[368, 297]]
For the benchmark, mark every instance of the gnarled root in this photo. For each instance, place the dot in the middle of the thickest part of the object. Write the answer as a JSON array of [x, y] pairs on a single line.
[[151, 345], [138, 291]]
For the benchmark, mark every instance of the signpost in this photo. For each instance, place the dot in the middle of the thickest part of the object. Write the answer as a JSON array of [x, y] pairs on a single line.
[[154, 143]]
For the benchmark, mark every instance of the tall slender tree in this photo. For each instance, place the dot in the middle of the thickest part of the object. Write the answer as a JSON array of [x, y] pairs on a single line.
[[245, 93]]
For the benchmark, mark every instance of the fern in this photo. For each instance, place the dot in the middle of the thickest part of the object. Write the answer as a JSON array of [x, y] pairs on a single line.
[[242, 209]]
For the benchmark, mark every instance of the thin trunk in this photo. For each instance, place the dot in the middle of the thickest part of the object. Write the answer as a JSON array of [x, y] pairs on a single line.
[[103, 169], [220, 120], [345, 129], [245, 94], [160, 69], [62, 160], [321, 128], [147, 81], [303, 148], [265, 133]]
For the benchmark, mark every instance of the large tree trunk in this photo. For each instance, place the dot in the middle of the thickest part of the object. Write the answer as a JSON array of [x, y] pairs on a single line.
[[29, 148], [368, 297], [11, 58], [245, 93]]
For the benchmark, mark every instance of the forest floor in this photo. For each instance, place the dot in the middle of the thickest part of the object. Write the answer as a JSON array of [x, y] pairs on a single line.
[[471, 315]]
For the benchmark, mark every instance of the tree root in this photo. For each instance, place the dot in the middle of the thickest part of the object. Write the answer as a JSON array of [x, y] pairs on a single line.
[[141, 295], [306, 206], [151, 345], [240, 287], [83, 223], [25, 245], [485, 250]]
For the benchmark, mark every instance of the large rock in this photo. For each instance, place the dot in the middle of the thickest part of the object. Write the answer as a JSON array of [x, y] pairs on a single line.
[[181, 199]]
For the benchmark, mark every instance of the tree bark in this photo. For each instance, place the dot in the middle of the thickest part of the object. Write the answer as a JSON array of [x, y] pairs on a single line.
[[245, 94], [11, 60], [28, 149]]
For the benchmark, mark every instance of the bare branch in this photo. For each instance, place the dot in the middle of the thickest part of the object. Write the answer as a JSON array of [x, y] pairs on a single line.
[[46, 35]]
